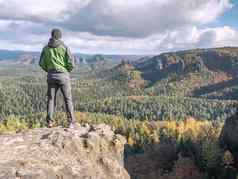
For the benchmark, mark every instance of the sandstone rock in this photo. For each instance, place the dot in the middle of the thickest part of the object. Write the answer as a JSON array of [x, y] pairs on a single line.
[[88, 152], [229, 136]]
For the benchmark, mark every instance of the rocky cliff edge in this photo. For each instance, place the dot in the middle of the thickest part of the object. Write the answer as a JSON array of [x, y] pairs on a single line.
[[88, 152]]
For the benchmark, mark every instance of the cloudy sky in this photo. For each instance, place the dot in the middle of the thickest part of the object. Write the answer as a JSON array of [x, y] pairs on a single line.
[[120, 26]]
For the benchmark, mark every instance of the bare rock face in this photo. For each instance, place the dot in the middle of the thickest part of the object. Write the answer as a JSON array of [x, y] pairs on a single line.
[[88, 152]]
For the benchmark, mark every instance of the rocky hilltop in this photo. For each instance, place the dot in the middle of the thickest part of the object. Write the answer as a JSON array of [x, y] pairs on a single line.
[[93, 152], [210, 73]]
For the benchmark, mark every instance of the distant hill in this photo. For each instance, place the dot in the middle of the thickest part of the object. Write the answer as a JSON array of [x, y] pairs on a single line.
[[15, 55], [30, 58], [209, 73], [191, 61], [200, 72]]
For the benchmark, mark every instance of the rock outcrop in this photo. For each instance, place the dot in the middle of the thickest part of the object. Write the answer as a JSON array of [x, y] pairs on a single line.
[[88, 152], [229, 136]]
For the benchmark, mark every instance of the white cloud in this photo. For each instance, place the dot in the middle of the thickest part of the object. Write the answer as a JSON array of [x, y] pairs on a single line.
[[179, 39], [121, 26], [219, 36], [205, 11], [31, 10], [142, 18], [116, 18]]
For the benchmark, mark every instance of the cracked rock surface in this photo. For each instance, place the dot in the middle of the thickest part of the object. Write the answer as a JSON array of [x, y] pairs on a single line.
[[87, 152]]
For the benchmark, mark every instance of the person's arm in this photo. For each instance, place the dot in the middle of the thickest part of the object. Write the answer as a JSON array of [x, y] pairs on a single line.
[[42, 62], [69, 60]]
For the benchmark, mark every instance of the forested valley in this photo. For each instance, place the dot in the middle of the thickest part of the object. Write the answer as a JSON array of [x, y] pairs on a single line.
[[171, 107]]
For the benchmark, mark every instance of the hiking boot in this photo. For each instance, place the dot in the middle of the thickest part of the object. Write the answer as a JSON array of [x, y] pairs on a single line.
[[72, 125]]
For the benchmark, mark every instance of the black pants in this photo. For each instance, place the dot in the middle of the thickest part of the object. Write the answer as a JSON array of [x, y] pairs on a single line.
[[59, 81]]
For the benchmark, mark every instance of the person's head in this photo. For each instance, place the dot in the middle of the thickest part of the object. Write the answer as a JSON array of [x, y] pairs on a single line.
[[56, 34]]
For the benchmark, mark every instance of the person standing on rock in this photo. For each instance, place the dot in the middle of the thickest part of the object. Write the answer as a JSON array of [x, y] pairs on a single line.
[[57, 60]]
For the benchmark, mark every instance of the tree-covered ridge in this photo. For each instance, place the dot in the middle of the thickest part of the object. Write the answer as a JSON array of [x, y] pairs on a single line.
[[193, 72], [200, 72], [170, 108], [163, 108], [176, 95], [29, 96]]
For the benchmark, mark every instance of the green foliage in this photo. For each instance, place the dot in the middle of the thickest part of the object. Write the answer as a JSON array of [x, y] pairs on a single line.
[[22, 94], [13, 124], [211, 158], [20, 98], [163, 108]]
